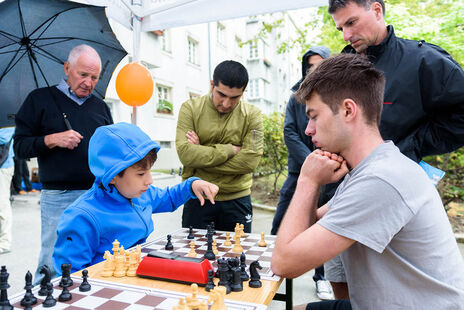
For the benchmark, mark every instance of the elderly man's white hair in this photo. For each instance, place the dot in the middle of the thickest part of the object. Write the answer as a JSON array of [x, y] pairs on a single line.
[[79, 50]]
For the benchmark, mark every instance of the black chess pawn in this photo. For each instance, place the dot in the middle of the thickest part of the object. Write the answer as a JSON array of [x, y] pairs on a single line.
[[210, 285], [46, 279], [169, 245], [254, 275], [29, 299], [4, 302], [191, 235], [49, 301], [65, 294], [243, 274], [66, 280], [85, 285], [236, 285]]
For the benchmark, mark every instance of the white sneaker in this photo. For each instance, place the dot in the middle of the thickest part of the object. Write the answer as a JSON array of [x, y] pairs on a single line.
[[324, 290]]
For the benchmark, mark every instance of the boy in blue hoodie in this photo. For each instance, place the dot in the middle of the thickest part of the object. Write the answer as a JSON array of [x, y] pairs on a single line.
[[121, 201]]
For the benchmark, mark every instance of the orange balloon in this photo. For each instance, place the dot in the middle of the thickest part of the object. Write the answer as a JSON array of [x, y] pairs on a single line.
[[134, 84]]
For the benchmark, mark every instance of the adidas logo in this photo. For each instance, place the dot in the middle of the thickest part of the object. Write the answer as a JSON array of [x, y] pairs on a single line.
[[248, 218]]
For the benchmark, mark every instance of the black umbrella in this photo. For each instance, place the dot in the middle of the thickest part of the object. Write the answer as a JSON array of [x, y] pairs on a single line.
[[35, 39]]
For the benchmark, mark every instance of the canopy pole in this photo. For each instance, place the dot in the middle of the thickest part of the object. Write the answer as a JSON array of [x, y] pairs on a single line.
[[136, 26]]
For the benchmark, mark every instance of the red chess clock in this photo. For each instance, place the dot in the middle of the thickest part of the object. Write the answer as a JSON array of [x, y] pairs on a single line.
[[176, 268]]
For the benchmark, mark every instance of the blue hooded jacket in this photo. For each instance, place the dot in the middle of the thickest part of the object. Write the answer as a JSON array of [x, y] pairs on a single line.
[[89, 226]]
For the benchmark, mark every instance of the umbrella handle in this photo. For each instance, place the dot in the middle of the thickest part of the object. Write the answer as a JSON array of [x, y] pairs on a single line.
[[68, 125]]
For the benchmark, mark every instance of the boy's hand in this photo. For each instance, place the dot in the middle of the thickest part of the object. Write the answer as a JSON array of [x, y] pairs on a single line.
[[203, 189]]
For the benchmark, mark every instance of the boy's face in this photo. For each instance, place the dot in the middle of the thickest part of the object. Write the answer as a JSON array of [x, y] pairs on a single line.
[[134, 182]]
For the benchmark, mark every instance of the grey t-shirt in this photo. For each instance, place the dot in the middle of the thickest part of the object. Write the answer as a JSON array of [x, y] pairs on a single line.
[[406, 256]]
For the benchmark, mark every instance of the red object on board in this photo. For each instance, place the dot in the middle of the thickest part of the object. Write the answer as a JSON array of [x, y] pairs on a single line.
[[158, 265]]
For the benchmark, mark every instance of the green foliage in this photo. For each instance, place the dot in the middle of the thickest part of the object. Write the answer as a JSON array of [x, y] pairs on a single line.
[[164, 105], [275, 153]]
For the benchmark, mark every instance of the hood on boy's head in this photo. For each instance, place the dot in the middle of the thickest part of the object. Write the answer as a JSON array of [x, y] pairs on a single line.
[[115, 147]]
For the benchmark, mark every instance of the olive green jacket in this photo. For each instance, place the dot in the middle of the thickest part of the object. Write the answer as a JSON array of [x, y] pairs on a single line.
[[214, 160]]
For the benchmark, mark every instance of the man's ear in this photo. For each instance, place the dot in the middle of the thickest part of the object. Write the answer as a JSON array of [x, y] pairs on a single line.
[[66, 68], [212, 85], [349, 109], [378, 10]]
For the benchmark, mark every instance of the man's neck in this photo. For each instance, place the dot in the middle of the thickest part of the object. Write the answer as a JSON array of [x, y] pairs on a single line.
[[362, 145]]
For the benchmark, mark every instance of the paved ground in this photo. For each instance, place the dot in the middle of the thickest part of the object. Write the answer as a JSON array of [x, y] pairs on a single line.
[[26, 241]]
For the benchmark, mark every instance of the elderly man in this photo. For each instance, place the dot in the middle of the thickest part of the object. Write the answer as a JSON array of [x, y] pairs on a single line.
[[55, 124]]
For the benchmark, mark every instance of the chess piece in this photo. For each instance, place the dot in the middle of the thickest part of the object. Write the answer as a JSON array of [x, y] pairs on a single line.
[[119, 270], [46, 279], [65, 295], [108, 266], [242, 231], [217, 297], [262, 242], [192, 252], [190, 235], [236, 285], [29, 299], [169, 245], [66, 280], [209, 254], [181, 305], [192, 301], [223, 270], [215, 250], [237, 246], [237, 230], [227, 242], [132, 271], [212, 228], [243, 274], [254, 275], [85, 285], [4, 302], [210, 285], [138, 251], [50, 301], [115, 247]]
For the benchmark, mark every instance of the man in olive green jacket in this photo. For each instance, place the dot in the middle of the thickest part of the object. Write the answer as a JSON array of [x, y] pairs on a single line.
[[219, 139]]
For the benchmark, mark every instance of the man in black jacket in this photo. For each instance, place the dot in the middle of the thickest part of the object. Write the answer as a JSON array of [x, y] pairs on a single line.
[[43, 132], [423, 110], [299, 146]]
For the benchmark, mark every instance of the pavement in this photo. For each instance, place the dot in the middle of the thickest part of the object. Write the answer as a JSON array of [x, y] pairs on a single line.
[[26, 241]]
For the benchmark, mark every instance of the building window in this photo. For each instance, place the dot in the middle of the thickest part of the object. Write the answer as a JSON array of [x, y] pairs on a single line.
[[165, 144], [253, 46], [193, 56], [164, 104], [253, 88], [221, 34], [166, 41]]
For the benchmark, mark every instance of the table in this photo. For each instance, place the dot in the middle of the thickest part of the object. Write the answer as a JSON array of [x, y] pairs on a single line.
[[263, 295]]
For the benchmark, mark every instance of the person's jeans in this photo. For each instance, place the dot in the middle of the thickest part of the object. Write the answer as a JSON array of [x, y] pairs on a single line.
[[340, 304], [52, 205]]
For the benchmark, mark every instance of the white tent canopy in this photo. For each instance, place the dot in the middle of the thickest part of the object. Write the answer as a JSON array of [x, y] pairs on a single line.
[[163, 14]]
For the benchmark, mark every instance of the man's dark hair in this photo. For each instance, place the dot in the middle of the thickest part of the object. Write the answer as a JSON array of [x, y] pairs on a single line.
[[346, 76], [144, 163], [334, 5], [230, 73]]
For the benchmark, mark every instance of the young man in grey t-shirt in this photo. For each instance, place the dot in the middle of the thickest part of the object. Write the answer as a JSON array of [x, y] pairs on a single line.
[[386, 218]]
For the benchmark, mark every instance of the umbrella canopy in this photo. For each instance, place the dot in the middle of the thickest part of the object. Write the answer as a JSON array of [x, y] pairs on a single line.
[[35, 39]]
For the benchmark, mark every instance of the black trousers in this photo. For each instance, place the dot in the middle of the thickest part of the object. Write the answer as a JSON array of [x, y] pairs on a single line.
[[224, 214], [286, 194], [340, 304], [21, 172]]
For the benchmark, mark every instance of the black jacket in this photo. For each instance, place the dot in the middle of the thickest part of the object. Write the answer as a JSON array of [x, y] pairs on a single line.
[[423, 111], [39, 116]]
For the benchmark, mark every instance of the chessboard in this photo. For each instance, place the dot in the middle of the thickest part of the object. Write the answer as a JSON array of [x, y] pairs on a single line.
[[110, 295], [249, 244]]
